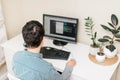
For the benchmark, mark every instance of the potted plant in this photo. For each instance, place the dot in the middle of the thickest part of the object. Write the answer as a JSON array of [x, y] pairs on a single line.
[[93, 35], [100, 56], [110, 49]]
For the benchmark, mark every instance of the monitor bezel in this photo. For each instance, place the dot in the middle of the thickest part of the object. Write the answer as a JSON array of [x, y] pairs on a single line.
[[57, 38]]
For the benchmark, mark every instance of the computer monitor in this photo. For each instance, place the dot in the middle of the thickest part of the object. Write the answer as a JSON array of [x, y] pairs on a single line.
[[61, 29]]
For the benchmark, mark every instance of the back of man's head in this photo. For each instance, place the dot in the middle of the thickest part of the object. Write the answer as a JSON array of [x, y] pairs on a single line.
[[33, 33]]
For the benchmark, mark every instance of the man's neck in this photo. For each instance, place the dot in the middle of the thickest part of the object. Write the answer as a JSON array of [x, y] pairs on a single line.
[[34, 50]]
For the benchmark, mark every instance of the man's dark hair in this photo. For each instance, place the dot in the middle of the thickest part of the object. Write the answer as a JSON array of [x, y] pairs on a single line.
[[33, 33]]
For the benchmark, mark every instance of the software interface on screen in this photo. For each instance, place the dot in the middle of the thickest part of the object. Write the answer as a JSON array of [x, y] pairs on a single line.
[[61, 28]]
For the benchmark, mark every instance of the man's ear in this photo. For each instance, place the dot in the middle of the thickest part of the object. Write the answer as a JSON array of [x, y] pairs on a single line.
[[42, 41]]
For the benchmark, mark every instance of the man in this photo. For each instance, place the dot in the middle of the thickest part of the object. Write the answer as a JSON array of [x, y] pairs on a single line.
[[29, 65]]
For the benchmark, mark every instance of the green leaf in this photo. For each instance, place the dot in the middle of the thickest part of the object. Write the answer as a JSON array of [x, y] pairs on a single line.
[[114, 31], [117, 35], [87, 18], [87, 28], [111, 47], [107, 37], [103, 40], [87, 31], [117, 40], [114, 19], [87, 25], [111, 25], [118, 28], [92, 38], [95, 34], [106, 28]]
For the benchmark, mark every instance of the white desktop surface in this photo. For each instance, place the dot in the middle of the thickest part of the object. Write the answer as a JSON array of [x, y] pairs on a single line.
[[84, 69]]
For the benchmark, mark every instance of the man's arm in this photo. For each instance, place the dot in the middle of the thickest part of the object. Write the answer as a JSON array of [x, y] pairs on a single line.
[[54, 75]]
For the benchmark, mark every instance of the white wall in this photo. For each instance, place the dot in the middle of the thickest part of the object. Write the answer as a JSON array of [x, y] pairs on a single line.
[[3, 36], [17, 12], [12, 12]]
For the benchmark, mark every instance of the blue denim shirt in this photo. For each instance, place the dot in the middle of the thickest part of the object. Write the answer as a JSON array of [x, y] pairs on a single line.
[[31, 66]]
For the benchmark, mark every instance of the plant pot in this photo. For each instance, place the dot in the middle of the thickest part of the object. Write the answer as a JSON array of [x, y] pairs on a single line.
[[93, 50], [110, 54], [100, 57]]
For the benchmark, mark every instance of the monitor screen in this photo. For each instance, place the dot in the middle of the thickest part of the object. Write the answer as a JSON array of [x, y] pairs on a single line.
[[61, 29]]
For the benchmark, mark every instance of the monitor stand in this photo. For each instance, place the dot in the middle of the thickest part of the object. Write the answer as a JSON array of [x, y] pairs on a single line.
[[59, 43]]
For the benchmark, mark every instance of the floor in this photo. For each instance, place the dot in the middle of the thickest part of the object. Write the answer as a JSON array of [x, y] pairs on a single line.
[[3, 72]]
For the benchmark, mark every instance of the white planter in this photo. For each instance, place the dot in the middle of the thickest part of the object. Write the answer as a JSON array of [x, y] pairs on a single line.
[[110, 54], [93, 51], [100, 58]]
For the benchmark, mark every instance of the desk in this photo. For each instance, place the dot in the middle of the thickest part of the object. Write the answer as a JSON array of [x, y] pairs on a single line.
[[84, 69]]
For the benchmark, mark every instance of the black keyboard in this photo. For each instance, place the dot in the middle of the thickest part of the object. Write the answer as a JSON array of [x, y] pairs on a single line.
[[53, 53]]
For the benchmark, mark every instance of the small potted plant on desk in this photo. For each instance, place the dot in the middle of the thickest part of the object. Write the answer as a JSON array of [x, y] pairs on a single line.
[[90, 32], [100, 56], [110, 49]]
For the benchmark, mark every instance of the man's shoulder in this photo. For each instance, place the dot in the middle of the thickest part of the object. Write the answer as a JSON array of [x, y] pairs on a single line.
[[18, 54], [25, 57], [34, 62]]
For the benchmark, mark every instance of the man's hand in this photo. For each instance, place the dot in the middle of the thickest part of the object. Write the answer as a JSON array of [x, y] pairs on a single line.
[[71, 62]]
